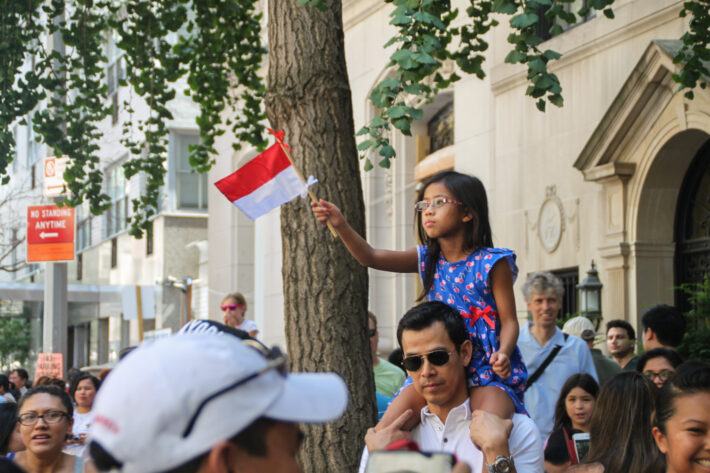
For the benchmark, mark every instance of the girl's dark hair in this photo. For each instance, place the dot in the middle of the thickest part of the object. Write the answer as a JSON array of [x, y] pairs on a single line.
[[5, 383], [8, 422], [620, 430], [470, 192], [52, 391], [579, 380], [662, 352], [80, 377], [691, 377]]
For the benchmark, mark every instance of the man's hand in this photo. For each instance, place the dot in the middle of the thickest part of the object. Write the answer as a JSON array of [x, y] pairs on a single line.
[[501, 364], [393, 432], [490, 433]]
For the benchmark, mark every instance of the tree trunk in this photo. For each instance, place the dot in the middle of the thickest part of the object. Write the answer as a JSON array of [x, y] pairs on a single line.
[[325, 289]]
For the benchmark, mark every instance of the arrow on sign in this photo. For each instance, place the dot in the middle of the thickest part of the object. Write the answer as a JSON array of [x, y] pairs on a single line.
[[44, 235]]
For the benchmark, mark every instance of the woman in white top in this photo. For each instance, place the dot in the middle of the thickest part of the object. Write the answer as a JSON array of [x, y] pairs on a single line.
[[83, 391], [234, 307]]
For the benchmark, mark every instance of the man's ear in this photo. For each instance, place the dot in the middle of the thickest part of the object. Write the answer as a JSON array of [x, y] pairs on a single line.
[[221, 458], [466, 351]]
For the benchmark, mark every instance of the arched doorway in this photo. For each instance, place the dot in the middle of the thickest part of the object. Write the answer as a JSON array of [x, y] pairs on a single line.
[[692, 228]]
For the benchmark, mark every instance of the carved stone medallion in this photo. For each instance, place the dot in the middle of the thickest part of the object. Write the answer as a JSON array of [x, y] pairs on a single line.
[[550, 221]]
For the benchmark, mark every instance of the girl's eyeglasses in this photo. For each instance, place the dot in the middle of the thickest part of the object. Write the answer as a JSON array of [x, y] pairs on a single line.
[[661, 375], [51, 417], [232, 306], [436, 357], [435, 203]]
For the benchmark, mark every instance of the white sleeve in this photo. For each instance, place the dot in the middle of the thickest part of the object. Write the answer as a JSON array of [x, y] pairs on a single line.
[[526, 445], [363, 460]]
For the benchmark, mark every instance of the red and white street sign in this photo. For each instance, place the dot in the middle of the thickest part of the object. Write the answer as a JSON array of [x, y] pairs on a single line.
[[50, 233], [54, 183]]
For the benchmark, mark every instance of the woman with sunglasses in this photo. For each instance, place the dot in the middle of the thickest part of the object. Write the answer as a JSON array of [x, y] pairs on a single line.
[[234, 306], [45, 418]]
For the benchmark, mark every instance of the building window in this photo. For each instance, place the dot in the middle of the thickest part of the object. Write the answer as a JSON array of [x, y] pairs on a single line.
[[117, 213], [149, 240], [34, 147], [441, 128], [79, 266], [190, 186], [570, 279], [84, 221], [115, 73], [114, 252]]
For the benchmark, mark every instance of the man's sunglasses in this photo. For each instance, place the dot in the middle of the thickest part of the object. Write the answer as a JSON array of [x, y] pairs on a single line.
[[231, 306], [436, 357]]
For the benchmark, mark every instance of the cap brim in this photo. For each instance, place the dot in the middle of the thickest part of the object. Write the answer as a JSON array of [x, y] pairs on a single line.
[[310, 397]]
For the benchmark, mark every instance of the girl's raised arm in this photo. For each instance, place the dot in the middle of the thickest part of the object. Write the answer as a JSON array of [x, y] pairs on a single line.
[[366, 255]]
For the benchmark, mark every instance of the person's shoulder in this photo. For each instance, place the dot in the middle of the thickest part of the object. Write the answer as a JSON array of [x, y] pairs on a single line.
[[524, 424], [386, 365]]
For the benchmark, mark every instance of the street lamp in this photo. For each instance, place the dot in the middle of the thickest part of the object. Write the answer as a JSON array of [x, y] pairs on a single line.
[[590, 296]]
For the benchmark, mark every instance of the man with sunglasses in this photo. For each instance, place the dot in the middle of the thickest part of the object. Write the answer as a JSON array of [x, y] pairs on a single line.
[[437, 351], [216, 404]]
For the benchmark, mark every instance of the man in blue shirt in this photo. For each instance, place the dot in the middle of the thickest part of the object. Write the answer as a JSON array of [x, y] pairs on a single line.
[[538, 341]]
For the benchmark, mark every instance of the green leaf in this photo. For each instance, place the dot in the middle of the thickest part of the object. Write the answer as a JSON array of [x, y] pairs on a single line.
[[365, 145], [524, 20], [368, 165], [550, 54], [514, 57], [362, 131], [537, 65], [540, 104], [507, 7], [556, 99], [387, 151], [398, 111], [609, 13]]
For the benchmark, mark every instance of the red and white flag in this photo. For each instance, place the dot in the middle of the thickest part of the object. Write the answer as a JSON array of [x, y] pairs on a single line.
[[264, 183]]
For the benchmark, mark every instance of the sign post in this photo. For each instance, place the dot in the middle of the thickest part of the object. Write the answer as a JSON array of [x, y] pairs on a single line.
[[50, 238]]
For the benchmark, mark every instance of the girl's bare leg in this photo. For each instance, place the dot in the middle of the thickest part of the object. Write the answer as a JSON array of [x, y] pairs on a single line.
[[491, 399]]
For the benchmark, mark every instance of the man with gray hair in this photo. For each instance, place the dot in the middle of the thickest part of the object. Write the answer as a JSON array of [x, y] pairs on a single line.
[[551, 356]]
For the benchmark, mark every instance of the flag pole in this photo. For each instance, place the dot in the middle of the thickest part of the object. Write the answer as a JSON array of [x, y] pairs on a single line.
[[284, 148]]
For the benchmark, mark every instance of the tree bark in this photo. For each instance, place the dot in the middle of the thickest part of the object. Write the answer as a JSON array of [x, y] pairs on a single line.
[[325, 289]]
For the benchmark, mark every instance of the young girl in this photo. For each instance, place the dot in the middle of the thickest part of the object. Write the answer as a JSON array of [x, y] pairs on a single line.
[[234, 307], [573, 413], [459, 266]]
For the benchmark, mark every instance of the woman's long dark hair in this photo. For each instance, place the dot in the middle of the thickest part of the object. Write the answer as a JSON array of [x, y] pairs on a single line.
[[8, 422], [620, 430], [579, 380], [470, 192]]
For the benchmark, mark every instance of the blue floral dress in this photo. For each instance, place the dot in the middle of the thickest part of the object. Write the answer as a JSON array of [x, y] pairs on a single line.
[[464, 286]]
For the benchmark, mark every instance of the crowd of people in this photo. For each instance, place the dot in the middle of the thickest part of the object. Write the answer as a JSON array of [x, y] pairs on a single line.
[[467, 379]]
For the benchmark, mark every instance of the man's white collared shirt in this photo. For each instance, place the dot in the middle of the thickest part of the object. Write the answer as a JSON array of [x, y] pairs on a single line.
[[453, 436]]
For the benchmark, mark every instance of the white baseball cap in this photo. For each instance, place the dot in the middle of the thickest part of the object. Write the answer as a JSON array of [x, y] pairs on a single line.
[[578, 326], [173, 400]]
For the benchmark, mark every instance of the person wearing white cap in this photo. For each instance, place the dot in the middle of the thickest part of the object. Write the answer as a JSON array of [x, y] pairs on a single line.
[[583, 328], [216, 404]]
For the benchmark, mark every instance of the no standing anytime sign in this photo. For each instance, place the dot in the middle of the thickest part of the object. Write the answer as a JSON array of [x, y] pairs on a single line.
[[50, 233]]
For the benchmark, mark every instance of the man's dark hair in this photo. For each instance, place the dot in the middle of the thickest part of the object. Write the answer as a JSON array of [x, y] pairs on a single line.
[[618, 323], [252, 440], [673, 358], [666, 322], [22, 373], [426, 314]]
